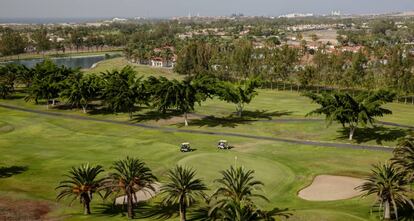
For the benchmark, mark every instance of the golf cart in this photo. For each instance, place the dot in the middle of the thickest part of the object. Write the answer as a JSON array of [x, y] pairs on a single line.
[[185, 147], [223, 145]]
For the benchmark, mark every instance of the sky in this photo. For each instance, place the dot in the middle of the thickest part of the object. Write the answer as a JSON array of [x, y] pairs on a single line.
[[170, 8]]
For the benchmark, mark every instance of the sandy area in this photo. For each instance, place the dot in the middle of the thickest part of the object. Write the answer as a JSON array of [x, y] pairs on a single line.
[[142, 195], [327, 188]]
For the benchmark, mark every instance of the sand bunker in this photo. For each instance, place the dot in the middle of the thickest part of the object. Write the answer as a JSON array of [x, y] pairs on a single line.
[[143, 195], [327, 188]]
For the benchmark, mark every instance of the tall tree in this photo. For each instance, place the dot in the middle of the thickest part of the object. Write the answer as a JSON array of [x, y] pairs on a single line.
[[180, 95], [130, 176], [194, 58], [41, 39], [48, 81], [80, 90], [404, 156], [183, 189], [352, 111], [239, 94], [11, 42], [387, 183], [121, 90], [82, 183]]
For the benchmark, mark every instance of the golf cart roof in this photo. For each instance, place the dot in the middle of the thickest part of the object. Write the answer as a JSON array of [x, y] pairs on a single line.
[[223, 141], [185, 144]]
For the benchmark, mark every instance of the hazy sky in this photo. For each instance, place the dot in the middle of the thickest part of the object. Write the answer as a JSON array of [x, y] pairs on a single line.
[[168, 8]]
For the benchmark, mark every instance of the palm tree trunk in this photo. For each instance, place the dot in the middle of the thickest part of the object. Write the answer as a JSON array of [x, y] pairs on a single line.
[[86, 204], [87, 208], [182, 212], [130, 205], [84, 107], [387, 210]]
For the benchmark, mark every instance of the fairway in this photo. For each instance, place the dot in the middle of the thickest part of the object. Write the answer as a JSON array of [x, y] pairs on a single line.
[[48, 146]]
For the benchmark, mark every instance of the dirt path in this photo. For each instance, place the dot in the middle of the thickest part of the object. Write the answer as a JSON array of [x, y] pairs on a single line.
[[224, 134]]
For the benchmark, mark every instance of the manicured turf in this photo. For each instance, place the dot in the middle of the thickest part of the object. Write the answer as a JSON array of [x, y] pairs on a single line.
[[273, 113], [49, 146]]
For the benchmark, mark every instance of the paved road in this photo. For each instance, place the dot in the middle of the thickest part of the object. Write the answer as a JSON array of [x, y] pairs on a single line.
[[224, 134]]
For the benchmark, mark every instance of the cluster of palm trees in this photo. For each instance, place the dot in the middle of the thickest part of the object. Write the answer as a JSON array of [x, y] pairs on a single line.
[[233, 199], [391, 183]]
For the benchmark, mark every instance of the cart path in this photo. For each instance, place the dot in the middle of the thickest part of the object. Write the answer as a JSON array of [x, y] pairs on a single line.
[[165, 129]]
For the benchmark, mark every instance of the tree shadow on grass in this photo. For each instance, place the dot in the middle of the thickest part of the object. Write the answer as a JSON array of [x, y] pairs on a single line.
[[233, 120], [142, 210], [156, 115], [264, 114], [211, 121], [110, 209], [379, 134], [202, 213], [11, 171], [102, 110]]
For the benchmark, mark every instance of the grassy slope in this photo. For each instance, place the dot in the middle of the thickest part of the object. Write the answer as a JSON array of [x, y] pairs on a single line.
[[50, 146], [274, 105]]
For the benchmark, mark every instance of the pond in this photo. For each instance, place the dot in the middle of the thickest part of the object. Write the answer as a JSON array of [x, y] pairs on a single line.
[[71, 62]]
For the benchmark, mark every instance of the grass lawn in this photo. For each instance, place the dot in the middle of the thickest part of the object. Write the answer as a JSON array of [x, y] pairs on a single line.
[[37, 149], [142, 70], [49, 146], [272, 113]]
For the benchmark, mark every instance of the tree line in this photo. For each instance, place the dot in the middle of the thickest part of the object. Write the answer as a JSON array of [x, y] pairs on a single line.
[[183, 191], [121, 90], [240, 59]]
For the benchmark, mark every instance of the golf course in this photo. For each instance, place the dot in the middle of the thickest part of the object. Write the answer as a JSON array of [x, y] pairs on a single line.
[[274, 137]]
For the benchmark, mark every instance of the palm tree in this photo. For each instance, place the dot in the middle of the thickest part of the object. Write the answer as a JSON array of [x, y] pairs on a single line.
[[387, 183], [82, 183], [238, 185], [404, 156], [233, 200], [131, 175], [183, 189]]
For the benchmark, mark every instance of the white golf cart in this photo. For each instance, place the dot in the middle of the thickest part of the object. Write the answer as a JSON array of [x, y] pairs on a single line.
[[185, 147], [223, 145]]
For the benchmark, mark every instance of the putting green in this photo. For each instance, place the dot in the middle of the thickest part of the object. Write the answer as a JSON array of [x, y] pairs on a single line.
[[273, 174], [323, 215]]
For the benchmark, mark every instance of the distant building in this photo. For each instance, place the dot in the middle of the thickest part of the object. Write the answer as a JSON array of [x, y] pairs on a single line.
[[159, 62], [297, 15]]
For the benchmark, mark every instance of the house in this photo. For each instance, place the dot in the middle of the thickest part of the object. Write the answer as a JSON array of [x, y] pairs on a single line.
[[162, 63]]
